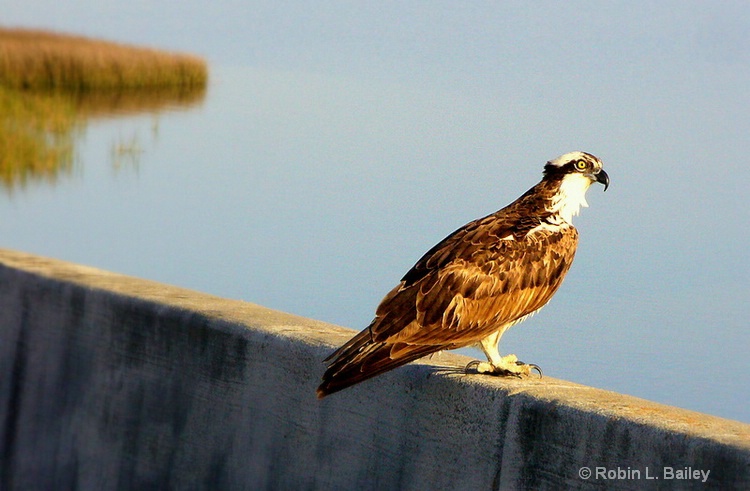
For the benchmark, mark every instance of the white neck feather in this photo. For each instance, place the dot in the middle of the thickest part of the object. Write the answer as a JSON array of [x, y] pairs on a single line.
[[571, 196]]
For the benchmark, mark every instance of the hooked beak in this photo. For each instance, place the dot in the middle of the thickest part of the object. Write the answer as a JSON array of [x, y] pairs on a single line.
[[603, 178]]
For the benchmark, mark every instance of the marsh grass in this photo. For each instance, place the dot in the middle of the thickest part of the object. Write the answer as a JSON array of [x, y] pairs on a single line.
[[33, 59], [51, 85]]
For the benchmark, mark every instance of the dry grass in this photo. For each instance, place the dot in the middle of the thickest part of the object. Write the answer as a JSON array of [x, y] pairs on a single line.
[[52, 84], [41, 60]]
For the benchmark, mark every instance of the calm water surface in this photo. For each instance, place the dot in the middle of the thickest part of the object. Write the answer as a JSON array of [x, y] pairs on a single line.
[[309, 181]]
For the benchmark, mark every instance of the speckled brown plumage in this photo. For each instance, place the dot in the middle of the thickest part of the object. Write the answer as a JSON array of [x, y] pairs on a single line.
[[482, 278]]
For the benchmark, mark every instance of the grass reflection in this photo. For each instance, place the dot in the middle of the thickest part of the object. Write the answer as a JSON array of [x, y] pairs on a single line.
[[52, 86], [37, 134], [114, 103]]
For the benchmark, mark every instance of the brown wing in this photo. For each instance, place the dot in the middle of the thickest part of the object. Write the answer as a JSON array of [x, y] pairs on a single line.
[[476, 281]]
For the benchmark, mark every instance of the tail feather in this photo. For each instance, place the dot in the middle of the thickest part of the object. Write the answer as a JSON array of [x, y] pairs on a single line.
[[353, 346], [361, 359]]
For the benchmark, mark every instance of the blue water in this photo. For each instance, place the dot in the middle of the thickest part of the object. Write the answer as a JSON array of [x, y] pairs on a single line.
[[337, 144]]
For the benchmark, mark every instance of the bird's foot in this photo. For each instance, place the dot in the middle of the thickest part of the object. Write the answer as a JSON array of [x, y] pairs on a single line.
[[510, 367]]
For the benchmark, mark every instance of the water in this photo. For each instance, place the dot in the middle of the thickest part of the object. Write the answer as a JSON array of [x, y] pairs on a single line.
[[335, 146]]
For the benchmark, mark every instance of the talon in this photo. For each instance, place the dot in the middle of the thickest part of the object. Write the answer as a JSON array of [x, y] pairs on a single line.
[[472, 365], [532, 366], [476, 366]]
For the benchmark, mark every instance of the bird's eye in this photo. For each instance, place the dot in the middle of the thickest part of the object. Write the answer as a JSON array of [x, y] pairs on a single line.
[[580, 164]]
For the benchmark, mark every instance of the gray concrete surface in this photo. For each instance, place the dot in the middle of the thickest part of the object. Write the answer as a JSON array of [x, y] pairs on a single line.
[[112, 382]]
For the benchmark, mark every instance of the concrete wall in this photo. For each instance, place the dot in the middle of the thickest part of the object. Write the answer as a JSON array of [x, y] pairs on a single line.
[[112, 382]]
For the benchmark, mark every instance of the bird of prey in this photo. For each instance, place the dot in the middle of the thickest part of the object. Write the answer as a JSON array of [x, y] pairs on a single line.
[[473, 285]]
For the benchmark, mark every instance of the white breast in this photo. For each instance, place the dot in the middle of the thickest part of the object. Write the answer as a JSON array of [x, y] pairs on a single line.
[[571, 196]]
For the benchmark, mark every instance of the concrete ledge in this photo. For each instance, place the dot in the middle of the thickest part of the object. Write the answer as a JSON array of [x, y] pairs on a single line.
[[112, 382]]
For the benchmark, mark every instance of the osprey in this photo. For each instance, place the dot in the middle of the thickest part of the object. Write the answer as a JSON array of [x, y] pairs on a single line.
[[471, 287]]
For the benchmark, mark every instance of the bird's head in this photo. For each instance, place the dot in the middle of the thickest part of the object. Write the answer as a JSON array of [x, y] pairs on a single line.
[[576, 165], [574, 172]]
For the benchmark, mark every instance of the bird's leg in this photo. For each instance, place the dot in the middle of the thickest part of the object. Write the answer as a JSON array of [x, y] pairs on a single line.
[[508, 365]]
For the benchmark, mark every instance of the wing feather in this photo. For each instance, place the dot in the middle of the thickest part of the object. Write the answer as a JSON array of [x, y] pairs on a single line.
[[483, 277]]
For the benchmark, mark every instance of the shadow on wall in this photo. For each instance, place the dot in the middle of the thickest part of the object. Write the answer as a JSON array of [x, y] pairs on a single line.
[[112, 382]]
